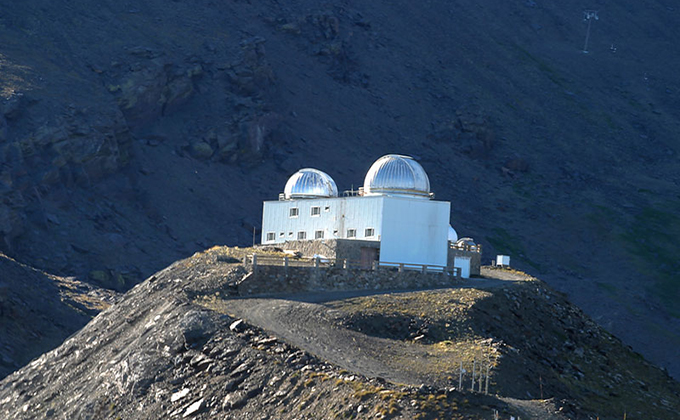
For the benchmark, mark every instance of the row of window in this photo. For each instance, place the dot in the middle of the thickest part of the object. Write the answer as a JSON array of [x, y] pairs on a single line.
[[319, 234], [314, 211]]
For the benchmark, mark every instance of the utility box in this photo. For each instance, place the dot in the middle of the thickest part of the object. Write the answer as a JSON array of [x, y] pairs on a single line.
[[463, 263], [503, 260]]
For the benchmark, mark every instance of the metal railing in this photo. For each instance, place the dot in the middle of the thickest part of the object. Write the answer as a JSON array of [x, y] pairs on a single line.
[[468, 248], [256, 260]]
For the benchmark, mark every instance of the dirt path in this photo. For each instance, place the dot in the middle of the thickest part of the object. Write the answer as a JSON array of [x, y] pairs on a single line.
[[302, 320], [313, 328], [535, 409]]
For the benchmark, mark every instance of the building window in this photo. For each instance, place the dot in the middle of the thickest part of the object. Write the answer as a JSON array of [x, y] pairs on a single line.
[[369, 232], [318, 234], [280, 234], [302, 236], [327, 208], [294, 211], [335, 232], [290, 234], [316, 210], [271, 236], [351, 233]]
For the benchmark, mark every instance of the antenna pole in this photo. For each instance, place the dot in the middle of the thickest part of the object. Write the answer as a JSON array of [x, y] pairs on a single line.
[[585, 46], [589, 15]]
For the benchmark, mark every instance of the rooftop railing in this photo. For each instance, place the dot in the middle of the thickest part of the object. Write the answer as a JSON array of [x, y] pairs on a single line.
[[467, 247]]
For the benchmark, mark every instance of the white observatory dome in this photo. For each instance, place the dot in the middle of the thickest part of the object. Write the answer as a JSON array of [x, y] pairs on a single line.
[[397, 175], [310, 183], [453, 235]]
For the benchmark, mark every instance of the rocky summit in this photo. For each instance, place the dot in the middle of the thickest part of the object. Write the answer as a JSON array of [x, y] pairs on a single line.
[[176, 346]]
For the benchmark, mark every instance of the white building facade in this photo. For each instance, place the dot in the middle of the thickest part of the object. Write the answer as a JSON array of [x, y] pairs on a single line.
[[395, 208]]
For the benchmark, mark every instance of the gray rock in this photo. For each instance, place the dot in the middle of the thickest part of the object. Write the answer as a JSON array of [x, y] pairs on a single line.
[[196, 326], [235, 400], [237, 326], [176, 93], [194, 408], [201, 150]]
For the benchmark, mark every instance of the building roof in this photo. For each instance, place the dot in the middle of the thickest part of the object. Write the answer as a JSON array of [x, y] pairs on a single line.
[[310, 183], [397, 175]]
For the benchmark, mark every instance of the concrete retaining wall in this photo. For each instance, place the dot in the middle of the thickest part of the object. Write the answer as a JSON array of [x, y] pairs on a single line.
[[272, 280]]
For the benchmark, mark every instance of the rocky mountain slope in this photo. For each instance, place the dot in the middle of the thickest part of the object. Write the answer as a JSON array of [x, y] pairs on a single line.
[[168, 349], [38, 311], [132, 134]]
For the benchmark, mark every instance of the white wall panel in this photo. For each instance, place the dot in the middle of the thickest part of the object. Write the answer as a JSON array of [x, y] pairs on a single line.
[[414, 231], [344, 213]]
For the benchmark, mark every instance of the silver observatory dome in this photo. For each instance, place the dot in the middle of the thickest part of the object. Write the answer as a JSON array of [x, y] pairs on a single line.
[[397, 175], [310, 183]]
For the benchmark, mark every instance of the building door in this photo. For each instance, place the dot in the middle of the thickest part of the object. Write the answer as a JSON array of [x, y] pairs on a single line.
[[464, 264], [368, 255]]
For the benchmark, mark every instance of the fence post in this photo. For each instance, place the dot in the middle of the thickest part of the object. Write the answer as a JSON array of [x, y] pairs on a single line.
[[481, 376], [460, 377], [344, 264], [424, 268], [401, 267], [374, 266], [488, 367], [254, 262], [316, 262], [474, 368]]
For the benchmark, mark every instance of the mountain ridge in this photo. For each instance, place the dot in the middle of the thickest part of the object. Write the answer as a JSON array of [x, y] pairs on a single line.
[[167, 348], [129, 133]]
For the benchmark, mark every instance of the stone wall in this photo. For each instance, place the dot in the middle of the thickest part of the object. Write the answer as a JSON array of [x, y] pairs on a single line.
[[273, 280], [341, 249], [350, 249]]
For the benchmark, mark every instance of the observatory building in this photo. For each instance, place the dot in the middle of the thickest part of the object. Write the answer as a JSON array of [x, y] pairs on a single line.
[[393, 218]]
